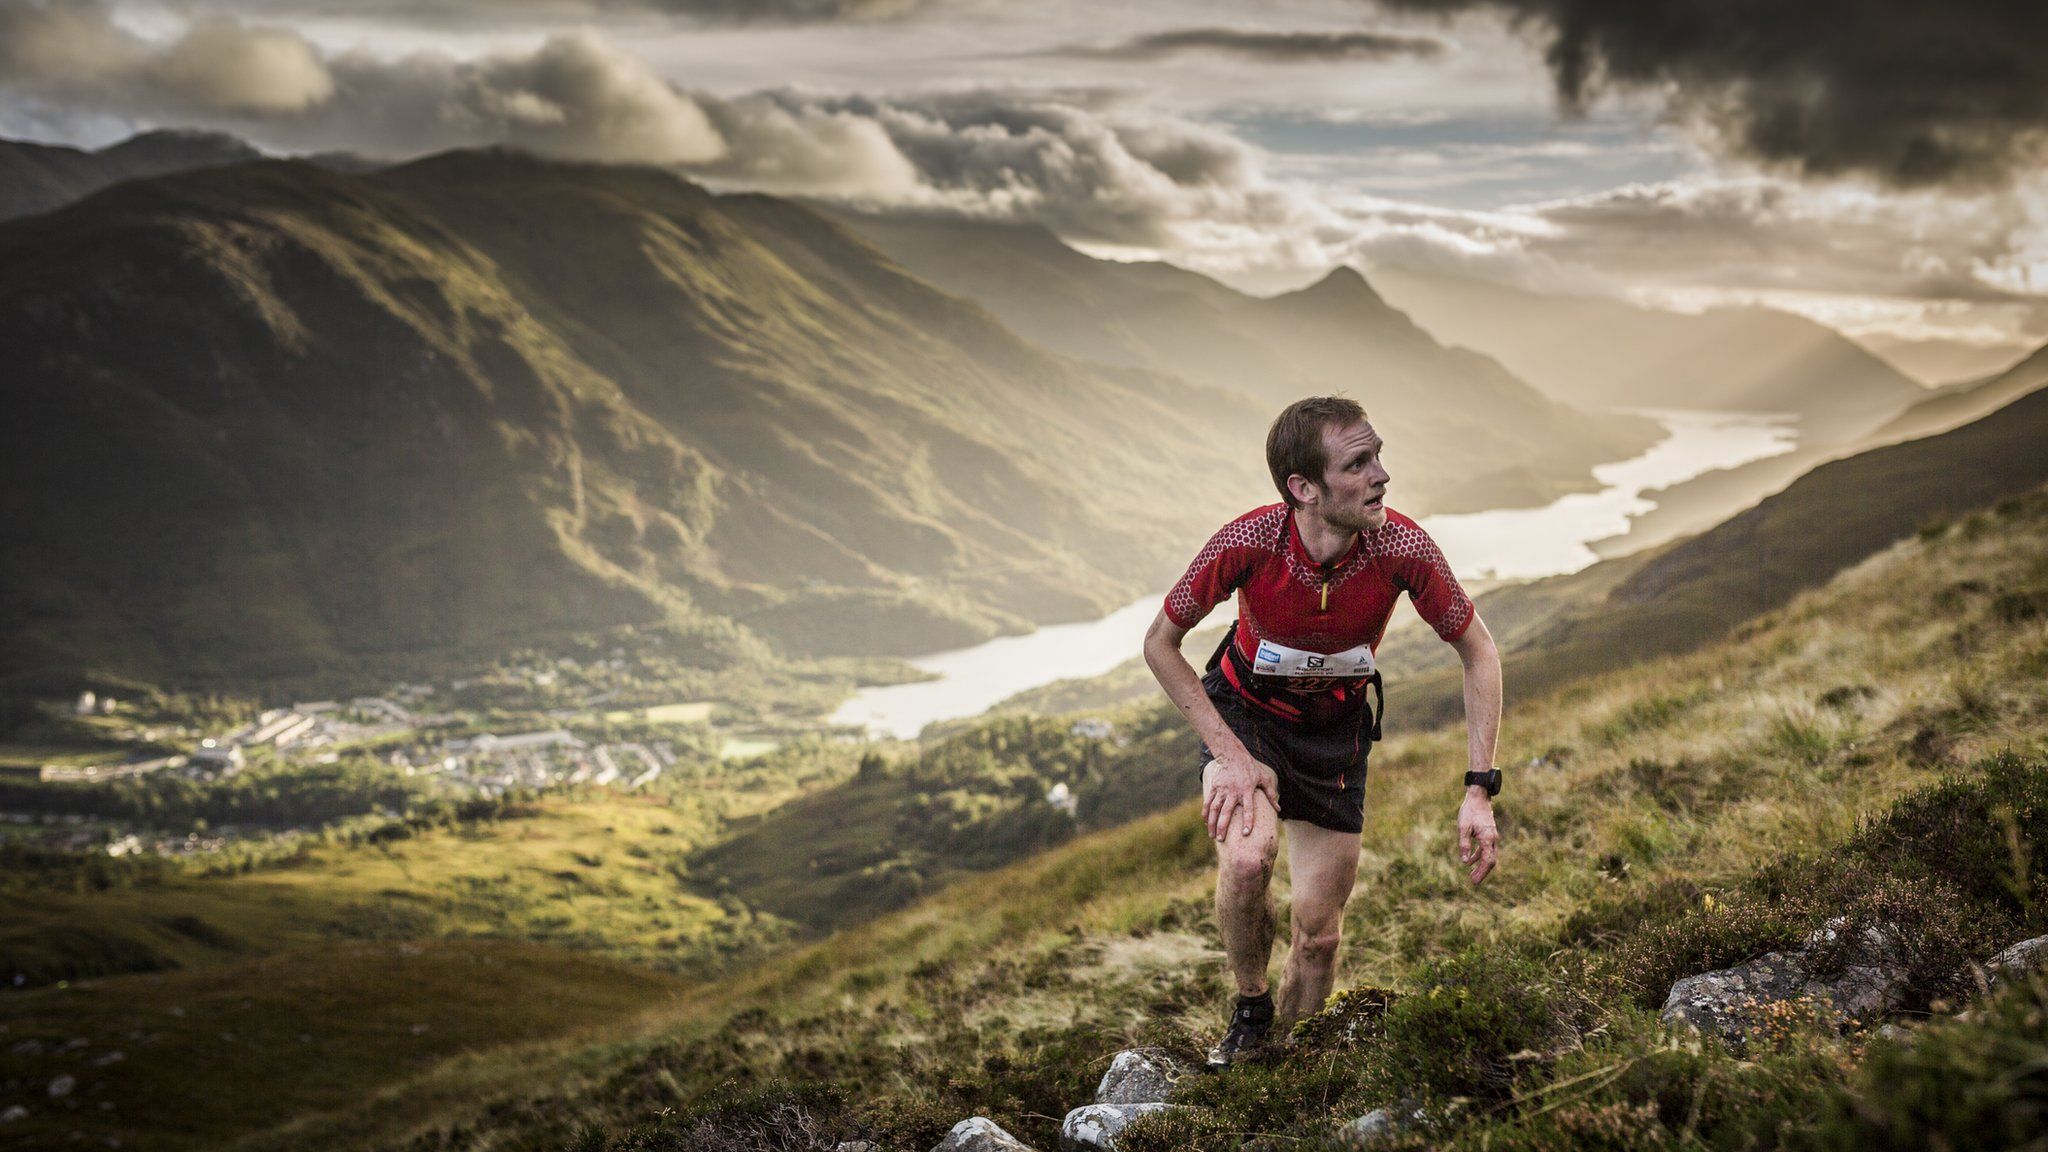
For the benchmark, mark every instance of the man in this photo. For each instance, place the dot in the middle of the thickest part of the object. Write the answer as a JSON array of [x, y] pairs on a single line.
[[1283, 710]]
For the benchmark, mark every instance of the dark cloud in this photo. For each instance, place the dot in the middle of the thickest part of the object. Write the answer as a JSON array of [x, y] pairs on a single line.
[[1913, 92], [1274, 47]]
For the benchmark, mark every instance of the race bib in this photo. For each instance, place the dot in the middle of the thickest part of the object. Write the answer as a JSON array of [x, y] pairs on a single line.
[[1280, 660]]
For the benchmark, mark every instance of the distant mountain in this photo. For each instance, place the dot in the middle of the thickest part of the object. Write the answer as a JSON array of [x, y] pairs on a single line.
[[1940, 362], [272, 418], [1464, 433], [40, 177], [1959, 404], [1703, 501], [1599, 352]]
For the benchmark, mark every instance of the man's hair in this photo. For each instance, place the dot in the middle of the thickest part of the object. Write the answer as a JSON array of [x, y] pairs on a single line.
[[1294, 444]]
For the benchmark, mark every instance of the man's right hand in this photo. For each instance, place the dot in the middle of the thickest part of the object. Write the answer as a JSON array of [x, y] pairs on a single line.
[[1228, 795]]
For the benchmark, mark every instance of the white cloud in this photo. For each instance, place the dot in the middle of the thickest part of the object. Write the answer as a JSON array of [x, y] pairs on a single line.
[[575, 96]]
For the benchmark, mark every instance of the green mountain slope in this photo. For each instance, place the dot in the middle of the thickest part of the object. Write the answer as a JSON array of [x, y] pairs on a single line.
[[274, 418], [1603, 353], [1336, 335]]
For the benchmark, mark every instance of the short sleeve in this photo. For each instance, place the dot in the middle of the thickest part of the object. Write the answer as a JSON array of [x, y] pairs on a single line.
[[1217, 570], [1438, 597]]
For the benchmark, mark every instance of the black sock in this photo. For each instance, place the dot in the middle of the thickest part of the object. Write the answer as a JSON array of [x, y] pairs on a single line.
[[1260, 1007]]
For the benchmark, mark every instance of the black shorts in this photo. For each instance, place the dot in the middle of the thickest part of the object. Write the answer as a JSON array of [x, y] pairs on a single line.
[[1321, 769]]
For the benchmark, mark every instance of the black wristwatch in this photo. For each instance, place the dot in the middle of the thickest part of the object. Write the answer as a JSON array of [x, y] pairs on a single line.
[[1489, 778]]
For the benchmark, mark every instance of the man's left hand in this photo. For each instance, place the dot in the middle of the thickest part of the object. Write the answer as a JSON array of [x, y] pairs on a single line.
[[1478, 839]]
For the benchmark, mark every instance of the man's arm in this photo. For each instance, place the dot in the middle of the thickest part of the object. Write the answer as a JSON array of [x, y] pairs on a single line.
[[1477, 837], [1237, 776]]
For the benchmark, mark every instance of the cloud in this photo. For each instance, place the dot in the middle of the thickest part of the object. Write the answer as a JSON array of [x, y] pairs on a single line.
[[1846, 255], [782, 11], [574, 97], [1912, 92], [1096, 173], [1271, 47], [74, 49], [1077, 161]]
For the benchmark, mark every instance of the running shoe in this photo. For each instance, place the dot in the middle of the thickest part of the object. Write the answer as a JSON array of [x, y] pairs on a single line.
[[1250, 1022]]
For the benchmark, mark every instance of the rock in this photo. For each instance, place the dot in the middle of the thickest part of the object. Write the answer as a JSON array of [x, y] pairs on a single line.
[[1138, 1076], [1380, 1124], [62, 1085], [1873, 977], [1094, 1126], [1716, 1002], [2018, 960], [1872, 982], [979, 1134], [857, 1146], [13, 1113]]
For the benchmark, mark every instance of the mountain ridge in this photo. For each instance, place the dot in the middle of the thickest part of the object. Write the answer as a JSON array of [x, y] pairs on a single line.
[[654, 415], [1338, 334], [1752, 359]]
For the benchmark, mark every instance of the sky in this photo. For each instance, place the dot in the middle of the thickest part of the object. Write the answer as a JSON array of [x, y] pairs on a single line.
[[1879, 165]]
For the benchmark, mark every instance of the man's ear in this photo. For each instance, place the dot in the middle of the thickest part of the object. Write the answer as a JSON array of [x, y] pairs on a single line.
[[1304, 490]]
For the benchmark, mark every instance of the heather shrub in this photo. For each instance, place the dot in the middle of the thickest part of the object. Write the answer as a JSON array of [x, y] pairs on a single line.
[[776, 1117], [1470, 1021], [1957, 1084]]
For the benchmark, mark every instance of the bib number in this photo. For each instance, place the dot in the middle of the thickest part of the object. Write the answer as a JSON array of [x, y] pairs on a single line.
[[1279, 660]]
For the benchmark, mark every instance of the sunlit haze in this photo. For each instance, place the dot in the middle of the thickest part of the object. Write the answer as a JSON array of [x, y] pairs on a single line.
[[1261, 144]]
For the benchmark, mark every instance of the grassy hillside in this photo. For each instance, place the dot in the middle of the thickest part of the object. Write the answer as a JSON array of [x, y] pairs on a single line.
[[1652, 789], [480, 400], [1336, 335], [186, 1059]]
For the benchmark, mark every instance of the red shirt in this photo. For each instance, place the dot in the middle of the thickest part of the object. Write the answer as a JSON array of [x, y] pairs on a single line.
[[1285, 597]]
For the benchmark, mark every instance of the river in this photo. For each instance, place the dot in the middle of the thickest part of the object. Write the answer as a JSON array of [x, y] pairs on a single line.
[[1506, 544]]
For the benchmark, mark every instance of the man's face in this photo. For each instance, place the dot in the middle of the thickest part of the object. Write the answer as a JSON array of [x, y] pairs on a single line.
[[1352, 494]]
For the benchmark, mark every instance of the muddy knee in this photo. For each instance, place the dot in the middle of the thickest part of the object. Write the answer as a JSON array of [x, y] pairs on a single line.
[[1248, 861], [1317, 947]]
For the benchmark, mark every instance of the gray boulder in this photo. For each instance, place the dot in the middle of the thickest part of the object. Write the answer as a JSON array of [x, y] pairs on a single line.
[[1873, 977], [1093, 1127], [1379, 1124], [1871, 983], [1138, 1076], [2015, 962], [14, 1112], [980, 1134]]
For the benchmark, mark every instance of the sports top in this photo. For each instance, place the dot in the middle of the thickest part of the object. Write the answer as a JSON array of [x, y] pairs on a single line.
[[1302, 648]]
